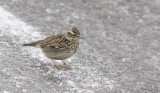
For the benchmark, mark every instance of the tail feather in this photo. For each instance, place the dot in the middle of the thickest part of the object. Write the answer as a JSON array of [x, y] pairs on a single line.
[[30, 44]]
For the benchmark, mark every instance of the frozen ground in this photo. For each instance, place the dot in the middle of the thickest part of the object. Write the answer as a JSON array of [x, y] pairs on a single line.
[[119, 50]]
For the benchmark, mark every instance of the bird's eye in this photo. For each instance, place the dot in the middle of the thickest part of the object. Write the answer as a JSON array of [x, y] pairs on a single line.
[[74, 35]]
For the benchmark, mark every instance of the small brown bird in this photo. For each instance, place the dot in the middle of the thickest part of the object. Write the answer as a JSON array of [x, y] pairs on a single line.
[[59, 47]]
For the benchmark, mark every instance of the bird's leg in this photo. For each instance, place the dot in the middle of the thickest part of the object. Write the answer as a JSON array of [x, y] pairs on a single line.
[[64, 63], [55, 64]]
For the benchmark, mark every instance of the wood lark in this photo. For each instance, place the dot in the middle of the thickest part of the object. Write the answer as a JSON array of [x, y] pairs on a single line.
[[59, 47]]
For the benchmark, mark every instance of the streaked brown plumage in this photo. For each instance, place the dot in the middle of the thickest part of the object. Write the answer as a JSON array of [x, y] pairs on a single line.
[[59, 47]]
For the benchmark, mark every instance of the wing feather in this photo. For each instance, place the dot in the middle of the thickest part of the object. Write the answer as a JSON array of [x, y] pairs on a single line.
[[57, 41]]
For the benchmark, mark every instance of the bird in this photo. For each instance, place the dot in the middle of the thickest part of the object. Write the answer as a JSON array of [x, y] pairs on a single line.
[[60, 46]]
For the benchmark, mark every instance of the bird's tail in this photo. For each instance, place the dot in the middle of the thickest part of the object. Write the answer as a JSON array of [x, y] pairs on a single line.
[[31, 44]]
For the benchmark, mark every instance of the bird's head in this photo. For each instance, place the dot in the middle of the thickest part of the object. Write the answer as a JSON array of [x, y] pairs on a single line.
[[73, 34]]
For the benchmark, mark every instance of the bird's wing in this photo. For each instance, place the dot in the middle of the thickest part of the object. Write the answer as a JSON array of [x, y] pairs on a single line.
[[56, 41]]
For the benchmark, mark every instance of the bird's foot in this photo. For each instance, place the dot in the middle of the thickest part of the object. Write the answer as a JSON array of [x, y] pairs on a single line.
[[64, 63]]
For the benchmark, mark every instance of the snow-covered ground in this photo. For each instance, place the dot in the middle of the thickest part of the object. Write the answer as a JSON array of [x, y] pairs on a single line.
[[119, 47]]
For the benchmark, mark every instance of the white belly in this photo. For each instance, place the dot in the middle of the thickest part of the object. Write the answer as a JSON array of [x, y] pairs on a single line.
[[57, 54]]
